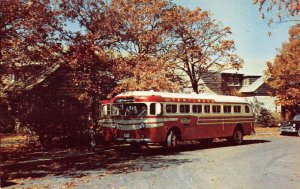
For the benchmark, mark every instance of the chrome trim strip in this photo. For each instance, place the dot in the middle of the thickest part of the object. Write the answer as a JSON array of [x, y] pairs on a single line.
[[133, 140]]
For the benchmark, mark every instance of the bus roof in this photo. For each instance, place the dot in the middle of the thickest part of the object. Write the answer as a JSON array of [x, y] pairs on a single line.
[[189, 97]]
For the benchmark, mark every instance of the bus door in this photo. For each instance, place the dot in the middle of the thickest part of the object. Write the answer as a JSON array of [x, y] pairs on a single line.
[[186, 121]]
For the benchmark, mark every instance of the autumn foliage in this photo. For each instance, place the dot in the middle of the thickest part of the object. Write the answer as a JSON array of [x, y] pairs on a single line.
[[284, 10], [104, 47], [284, 72], [139, 44]]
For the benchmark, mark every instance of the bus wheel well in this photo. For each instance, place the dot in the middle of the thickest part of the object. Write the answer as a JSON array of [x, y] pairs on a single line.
[[176, 130], [240, 127]]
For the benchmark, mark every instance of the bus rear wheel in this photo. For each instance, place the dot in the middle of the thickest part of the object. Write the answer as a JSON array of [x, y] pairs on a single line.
[[237, 137], [172, 140]]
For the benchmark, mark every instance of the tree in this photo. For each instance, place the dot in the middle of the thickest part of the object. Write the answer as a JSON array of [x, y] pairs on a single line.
[[27, 36], [265, 117], [286, 10], [200, 45], [143, 49], [283, 73], [89, 49]]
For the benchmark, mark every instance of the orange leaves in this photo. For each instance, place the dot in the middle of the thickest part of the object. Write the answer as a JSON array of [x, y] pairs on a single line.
[[201, 44], [227, 44], [146, 73], [283, 74], [282, 8]]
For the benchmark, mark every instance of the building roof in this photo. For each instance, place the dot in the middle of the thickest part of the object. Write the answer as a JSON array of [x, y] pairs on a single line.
[[254, 86], [35, 79]]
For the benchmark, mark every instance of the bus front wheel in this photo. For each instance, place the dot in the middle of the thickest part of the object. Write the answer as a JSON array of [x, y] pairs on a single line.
[[172, 140], [237, 137]]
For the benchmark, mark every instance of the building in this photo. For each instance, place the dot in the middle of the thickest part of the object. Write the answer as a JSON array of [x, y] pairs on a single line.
[[250, 86]]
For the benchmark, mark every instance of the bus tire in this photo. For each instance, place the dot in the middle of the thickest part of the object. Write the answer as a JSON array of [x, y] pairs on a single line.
[[172, 140], [237, 137]]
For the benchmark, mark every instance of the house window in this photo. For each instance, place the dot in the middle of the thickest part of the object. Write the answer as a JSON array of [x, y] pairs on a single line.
[[197, 108], [11, 78], [216, 109], [207, 108], [184, 108], [171, 108], [227, 109], [246, 82], [234, 81], [237, 109]]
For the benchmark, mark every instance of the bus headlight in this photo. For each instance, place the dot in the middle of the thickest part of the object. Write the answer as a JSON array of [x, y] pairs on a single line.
[[294, 125], [142, 125]]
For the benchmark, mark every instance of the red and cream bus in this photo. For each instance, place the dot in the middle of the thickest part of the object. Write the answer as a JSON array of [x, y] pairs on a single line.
[[165, 118]]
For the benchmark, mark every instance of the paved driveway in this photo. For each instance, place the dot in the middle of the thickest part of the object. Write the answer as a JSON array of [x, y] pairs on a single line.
[[262, 162]]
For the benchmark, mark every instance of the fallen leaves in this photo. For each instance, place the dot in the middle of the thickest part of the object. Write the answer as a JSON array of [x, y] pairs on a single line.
[[69, 184]]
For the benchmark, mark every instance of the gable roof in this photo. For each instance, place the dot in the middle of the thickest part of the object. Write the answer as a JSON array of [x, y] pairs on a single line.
[[254, 86], [33, 80]]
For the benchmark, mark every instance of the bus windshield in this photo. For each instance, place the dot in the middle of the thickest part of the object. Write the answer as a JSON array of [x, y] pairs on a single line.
[[130, 109], [297, 118]]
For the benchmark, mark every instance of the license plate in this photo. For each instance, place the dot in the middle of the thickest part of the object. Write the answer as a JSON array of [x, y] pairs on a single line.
[[126, 135]]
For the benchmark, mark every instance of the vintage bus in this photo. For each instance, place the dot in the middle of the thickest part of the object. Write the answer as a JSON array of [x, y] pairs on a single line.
[[158, 117]]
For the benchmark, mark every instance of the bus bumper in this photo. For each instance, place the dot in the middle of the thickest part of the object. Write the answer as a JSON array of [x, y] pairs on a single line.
[[133, 140]]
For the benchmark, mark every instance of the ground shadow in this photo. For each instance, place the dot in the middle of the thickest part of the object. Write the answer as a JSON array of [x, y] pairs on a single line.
[[117, 159]]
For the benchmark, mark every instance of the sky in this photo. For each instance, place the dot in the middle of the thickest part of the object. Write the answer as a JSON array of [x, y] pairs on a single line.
[[250, 32]]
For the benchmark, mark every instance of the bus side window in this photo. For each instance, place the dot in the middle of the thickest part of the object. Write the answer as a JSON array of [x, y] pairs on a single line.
[[108, 112], [216, 109], [152, 109], [227, 109], [207, 108], [197, 108], [171, 108], [184, 108], [247, 109], [237, 109]]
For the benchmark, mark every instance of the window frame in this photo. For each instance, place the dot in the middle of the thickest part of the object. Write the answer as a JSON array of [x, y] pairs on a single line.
[[150, 109], [247, 107], [215, 106], [207, 105], [226, 112], [186, 108], [239, 108], [171, 105], [197, 108]]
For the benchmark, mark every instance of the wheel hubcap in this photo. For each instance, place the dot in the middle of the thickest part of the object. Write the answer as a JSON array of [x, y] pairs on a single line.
[[174, 141]]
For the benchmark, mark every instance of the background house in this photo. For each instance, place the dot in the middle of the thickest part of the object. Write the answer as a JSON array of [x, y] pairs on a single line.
[[250, 86], [48, 101]]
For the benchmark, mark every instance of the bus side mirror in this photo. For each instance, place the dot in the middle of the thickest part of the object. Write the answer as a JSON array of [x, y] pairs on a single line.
[[158, 108]]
